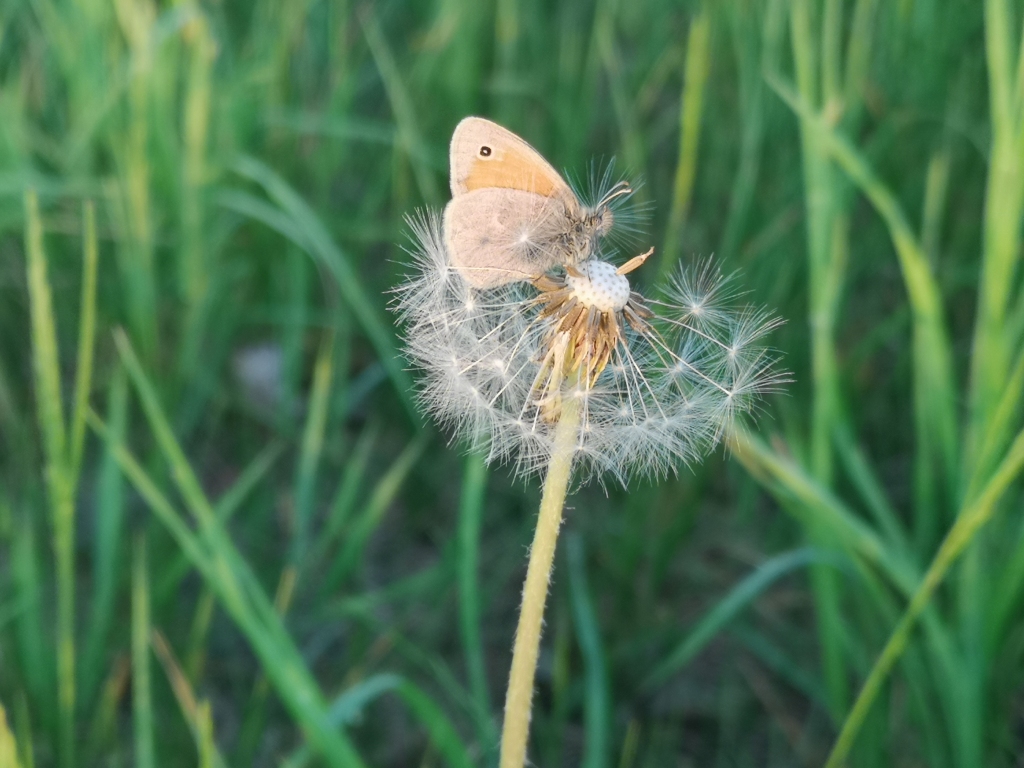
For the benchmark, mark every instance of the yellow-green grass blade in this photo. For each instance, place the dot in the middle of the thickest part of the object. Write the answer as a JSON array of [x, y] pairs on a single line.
[[195, 261], [223, 570], [698, 65], [209, 757], [968, 523], [827, 251], [196, 715], [226, 572], [227, 505], [993, 346], [44, 348], [86, 340], [135, 173], [142, 698], [8, 744], [59, 482], [363, 526], [935, 388], [312, 448], [195, 656]]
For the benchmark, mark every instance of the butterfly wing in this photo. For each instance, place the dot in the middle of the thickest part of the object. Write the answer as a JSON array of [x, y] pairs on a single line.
[[484, 155], [496, 236]]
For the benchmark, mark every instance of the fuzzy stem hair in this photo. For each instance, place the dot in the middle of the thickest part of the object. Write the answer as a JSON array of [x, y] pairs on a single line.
[[519, 700]]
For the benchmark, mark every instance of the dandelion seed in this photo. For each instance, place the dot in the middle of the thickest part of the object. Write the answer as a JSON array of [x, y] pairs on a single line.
[[657, 381]]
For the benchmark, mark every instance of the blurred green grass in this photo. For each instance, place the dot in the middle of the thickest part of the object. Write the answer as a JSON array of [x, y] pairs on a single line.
[[209, 452]]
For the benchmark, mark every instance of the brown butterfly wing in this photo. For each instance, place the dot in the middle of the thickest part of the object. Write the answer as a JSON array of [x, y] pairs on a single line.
[[496, 236], [484, 155]]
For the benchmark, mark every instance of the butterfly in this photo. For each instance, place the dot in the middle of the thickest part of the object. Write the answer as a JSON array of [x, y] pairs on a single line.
[[512, 216]]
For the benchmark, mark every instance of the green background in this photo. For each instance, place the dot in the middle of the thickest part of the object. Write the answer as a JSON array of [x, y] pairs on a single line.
[[216, 568]]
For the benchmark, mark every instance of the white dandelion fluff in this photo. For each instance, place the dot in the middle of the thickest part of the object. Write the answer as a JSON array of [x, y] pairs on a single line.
[[656, 381]]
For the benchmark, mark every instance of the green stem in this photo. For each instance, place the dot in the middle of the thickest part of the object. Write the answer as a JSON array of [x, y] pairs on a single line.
[[516, 729], [698, 65]]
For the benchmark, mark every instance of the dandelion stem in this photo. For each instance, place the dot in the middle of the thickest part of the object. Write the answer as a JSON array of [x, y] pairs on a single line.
[[516, 729]]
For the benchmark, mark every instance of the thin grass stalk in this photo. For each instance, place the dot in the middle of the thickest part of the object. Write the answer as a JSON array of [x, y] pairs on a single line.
[[45, 358], [826, 270], [960, 536], [993, 349], [401, 106], [137, 18], [1004, 206], [471, 506], [86, 340], [515, 732], [209, 757], [597, 698], [190, 707], [224, 571], [751, 67], [935, 389], [312, 448], [30, 638], [107, 543], [194, 267], [142, 699], [695, 76]]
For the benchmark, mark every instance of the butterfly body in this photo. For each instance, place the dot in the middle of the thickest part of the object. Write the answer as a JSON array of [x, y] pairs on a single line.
[[512, 216]]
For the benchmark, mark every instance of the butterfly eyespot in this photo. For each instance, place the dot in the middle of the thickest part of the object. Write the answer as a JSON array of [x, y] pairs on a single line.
[[485, 151]]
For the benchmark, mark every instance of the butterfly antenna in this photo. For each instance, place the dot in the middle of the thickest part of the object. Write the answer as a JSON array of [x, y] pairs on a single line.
[[620, 189]]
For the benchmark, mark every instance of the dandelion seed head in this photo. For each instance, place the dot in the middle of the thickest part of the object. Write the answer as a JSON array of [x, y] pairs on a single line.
[[597, 284], [657, 382]]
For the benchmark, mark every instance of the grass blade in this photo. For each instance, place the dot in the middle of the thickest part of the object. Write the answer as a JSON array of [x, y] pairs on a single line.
[[348, 708], [966, 527], [312, 447], [8, 746], [401, 105], [383, 494], [471, 508], [107, 556], [86, 341], [59, 482], [597, 697], [309, 233], [846, 530], [226, 572], [729, 607], [698, 64], [142, 699], [196, 717]]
